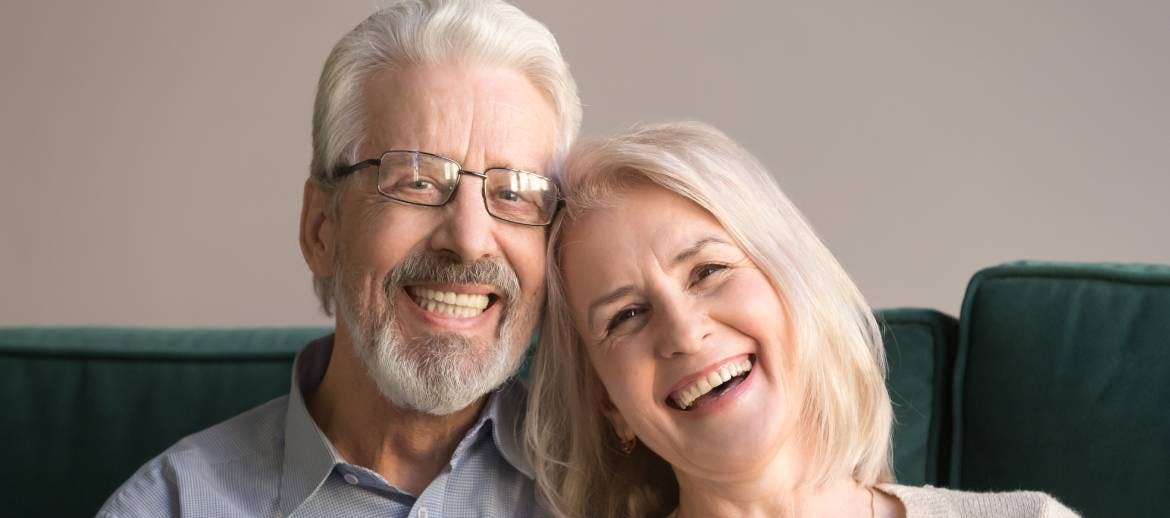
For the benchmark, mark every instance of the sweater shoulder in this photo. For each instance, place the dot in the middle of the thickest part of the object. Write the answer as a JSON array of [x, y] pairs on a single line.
[[933, 502]]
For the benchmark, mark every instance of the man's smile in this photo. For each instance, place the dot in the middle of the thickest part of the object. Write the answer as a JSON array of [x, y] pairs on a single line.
[[461, 301]]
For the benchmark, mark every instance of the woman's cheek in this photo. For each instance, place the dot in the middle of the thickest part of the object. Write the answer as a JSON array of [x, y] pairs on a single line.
[[620, 367]]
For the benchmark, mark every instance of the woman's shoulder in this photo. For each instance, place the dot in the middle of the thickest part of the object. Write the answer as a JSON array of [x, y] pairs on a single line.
[[927, 501]]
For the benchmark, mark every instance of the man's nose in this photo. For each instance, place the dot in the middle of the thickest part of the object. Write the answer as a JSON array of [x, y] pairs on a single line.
[[683, 327], [467, 230]]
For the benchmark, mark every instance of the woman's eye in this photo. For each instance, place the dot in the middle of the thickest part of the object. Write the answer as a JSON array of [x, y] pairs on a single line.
[[704, 271], [621, 316]]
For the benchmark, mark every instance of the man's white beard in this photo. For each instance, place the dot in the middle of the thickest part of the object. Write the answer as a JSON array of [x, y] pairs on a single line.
[[435, 374]]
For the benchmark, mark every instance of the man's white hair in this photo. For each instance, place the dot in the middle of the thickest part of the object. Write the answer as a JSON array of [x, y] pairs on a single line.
[[429, 32]]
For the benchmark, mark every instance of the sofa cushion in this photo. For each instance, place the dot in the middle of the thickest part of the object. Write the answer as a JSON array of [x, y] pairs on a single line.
[[1063, 385], [920, 347], [85, 407]]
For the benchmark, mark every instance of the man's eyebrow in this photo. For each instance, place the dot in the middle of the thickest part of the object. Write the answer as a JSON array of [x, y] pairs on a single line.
[[607, 299], [694, 249]]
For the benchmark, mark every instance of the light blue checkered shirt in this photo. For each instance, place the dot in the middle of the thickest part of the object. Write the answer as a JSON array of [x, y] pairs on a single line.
[[273, 461]]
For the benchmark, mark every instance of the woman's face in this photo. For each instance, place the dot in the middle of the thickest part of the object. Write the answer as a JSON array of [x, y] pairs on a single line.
[[687, 335]]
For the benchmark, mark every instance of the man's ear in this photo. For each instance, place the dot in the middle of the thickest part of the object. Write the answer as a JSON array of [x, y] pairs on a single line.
[[317, 230], [617, 420]]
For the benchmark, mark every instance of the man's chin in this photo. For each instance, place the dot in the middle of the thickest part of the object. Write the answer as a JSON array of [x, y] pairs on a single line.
[[453, 349], [439, 376], [429, 368]]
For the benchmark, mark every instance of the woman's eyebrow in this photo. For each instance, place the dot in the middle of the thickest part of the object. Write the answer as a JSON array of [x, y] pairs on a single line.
[[607, 299], [694, 249], [618, 293]]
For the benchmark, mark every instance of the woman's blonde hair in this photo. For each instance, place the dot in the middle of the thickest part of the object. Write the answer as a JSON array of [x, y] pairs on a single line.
[[845, 414]]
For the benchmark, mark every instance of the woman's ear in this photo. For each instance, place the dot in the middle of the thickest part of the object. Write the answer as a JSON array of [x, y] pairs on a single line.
[[316, 235]]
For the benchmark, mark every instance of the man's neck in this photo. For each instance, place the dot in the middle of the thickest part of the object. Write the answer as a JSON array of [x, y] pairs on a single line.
[[408, 448]]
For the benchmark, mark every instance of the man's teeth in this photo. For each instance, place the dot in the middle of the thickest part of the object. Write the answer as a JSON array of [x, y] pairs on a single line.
[[686, 397], [450, 303]]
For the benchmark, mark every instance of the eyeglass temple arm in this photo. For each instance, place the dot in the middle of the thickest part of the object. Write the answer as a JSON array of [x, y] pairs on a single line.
[[348, 170]]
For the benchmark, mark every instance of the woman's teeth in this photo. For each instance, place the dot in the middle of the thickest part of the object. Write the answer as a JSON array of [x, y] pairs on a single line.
[[686, 397], [461, 305]]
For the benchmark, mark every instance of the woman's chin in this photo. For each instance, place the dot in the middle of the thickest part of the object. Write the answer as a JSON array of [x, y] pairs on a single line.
[[740, 440]]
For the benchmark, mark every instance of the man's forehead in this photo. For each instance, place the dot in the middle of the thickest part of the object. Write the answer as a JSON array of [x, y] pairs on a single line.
[[471, 114]]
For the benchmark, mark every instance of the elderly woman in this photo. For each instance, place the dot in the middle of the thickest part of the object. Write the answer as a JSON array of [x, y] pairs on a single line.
[[703, 354]]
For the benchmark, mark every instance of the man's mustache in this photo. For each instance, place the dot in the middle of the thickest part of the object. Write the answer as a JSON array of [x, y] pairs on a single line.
[[433, 267]]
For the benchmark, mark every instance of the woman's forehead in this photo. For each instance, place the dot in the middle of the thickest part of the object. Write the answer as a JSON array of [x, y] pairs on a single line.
[[645, 226], [642, 209]]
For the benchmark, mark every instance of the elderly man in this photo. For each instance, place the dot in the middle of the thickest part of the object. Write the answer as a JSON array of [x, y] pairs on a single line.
[[435, 128]]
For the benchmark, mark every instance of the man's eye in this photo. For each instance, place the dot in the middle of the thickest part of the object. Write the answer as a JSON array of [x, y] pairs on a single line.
[[621, 317], [704, 271], [508, 195], [420, 185]]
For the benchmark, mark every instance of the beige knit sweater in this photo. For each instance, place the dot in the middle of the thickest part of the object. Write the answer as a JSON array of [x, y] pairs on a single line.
[[933, 502]]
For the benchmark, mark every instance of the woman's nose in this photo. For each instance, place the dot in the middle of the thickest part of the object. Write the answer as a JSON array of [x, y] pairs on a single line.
[[683, 327]]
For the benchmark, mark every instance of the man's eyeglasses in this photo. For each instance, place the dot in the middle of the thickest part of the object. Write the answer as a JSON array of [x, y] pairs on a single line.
[[430, 180]]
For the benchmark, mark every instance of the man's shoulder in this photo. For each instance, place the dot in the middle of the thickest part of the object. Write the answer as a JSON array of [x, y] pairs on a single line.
[[235, 461], [257, 430]]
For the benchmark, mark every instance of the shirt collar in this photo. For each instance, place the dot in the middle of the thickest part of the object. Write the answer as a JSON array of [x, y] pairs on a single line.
[[309, 457], [506, 410]]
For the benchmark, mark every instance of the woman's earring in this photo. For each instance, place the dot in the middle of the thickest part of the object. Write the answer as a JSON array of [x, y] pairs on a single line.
[[627, 447]]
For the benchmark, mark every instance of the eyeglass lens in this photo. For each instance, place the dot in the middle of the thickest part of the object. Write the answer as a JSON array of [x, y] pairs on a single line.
[[423, 179]]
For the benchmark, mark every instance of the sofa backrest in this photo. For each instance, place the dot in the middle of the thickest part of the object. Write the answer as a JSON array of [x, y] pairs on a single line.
[[1062, 384], [85, 407], [920, 350]]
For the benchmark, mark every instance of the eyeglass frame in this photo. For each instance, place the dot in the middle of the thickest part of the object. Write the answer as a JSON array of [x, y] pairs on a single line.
[[344, 171]]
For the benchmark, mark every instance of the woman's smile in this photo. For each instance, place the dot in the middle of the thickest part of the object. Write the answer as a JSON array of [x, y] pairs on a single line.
[[711, 384]]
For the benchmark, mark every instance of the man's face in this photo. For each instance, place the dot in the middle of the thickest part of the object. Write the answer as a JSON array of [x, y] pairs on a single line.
[[410, 280]]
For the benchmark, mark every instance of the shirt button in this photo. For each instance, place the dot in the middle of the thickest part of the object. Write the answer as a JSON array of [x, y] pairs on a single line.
[[422, 512], [351, 479]]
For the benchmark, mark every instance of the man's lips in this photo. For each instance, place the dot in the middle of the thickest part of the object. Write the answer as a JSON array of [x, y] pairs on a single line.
[[479, 289], [448, 301]]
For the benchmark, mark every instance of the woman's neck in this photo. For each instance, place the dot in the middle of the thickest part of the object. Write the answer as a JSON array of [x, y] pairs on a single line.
[[779, 488], [759, 497]]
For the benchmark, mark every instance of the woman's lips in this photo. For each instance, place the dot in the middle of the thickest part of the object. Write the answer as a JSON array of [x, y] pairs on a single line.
[[711, 382]]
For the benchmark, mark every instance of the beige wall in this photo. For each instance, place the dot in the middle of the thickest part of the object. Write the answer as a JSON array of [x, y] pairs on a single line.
[[154, 152]]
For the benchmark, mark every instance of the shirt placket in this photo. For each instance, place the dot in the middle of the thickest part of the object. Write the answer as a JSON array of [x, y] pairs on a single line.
[[430, 502]]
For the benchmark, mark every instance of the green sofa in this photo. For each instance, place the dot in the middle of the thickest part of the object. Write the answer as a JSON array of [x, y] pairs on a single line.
[[1056, 377]]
